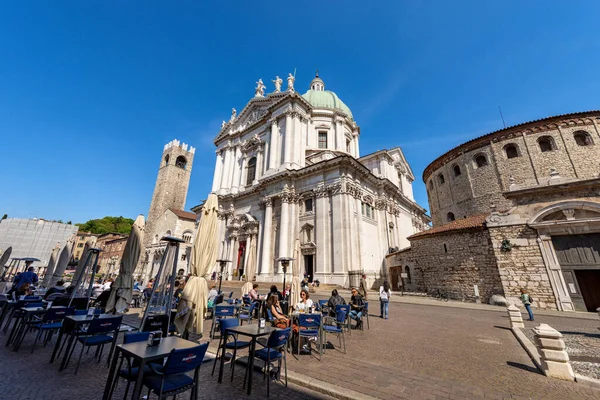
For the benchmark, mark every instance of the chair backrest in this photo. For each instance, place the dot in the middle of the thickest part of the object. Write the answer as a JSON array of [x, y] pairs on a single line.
[[33, 304], [228, 323], [219, 299], [80, 312], [340, 316], [278, 338], [224, 311], [184, 360], [58, 314], [366, 303], [104, 325], [246, 299], [345, 307], [135, 337], [159, 322], [53, 296], [323, 303], [32, 298], [309, 320]]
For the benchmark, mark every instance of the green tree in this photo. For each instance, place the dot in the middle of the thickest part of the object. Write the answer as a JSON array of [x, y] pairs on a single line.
[[106, 225]]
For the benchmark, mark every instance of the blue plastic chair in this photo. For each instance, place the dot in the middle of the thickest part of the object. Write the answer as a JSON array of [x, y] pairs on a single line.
[[221, 312], [235, 345], [17, 315], [97, 311], [273, 350], [50, 322], [247, 314], [97, 335], [346, 308], [309, 326], [336, 329], [171, 379], [130, 373], [323, 306]]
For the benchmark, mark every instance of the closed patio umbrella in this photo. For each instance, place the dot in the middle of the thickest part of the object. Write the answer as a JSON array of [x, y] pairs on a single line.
[[63, 261], [295, 289], [250, 268], [89, 244], [190, 310], [4, 259], [122, 288], [51, 265]]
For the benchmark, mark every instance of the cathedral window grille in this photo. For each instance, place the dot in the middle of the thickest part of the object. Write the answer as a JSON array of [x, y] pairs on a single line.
[[181, 162], [251, 171], [322, 140], [308, 205], [450, 217], [456, 170], [511, 151], [441, 179], [582, 138], [481, 161], [546, 144], [367, 210]]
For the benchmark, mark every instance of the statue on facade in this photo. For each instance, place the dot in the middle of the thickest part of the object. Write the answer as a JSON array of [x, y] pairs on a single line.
[[260, 89], [277, 81], [233, 114], [290, 80], [223, 124]]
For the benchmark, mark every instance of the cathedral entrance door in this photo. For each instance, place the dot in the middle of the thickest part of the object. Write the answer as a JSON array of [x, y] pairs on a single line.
[[241, 259], [308, 267]]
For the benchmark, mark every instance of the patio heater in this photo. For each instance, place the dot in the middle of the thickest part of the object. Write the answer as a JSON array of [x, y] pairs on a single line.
[[157, 315], [86, 279], [222, 265], [285, 262]]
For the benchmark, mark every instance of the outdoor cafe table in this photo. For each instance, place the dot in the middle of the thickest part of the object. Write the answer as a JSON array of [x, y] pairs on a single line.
[[71, 326], [254, 332], [19, 327], [143, 354]]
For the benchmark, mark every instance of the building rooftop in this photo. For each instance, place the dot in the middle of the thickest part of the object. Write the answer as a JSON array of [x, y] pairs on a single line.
[[184, 214], [463, 224]]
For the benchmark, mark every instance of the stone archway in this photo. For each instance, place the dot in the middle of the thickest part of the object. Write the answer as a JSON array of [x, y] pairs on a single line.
[[568, 234]]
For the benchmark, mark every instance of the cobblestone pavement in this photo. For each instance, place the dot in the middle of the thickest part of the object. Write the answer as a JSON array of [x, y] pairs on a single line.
[[26, 376]]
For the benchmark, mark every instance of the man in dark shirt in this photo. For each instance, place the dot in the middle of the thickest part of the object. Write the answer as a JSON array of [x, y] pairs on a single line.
[[357, 305], [58, 288], [28, 276]]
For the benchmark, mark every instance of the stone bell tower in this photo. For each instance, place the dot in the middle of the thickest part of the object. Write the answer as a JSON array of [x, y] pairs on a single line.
[[170, 190]]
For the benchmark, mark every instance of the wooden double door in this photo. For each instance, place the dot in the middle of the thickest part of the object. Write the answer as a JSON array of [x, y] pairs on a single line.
[[579, 259]]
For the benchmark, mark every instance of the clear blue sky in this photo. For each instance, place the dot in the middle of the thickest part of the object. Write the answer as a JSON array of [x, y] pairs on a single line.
[[90, 91]]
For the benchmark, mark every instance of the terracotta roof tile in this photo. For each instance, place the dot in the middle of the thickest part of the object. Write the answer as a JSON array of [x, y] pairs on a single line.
[[473, 222], [184, 214]]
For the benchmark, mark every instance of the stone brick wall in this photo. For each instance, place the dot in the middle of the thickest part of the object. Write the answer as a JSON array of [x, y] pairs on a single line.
[[475, 189], [453, 262], [522, 266]]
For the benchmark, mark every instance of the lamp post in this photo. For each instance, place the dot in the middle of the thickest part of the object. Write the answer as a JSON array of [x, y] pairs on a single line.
[[222, 264], [285, 262]]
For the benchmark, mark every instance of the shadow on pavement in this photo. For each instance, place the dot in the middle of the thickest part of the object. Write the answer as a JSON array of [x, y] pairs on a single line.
[[524, 367]]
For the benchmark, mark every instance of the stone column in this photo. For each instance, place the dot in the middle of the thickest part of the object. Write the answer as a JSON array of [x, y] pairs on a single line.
[[515, 317], [341, 222], [267, 254], [232, 256], [247, 254], [555, 360], [288, 140], [242, 165], [226, 175], [274, 145], [322, 236], [284, 228], [357, 207], [218, 172], [340, 139], [236, 169], [259, 165], [356, 151]]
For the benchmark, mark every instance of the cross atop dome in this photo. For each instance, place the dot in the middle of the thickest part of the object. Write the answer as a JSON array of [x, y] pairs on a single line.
[[317, 83]]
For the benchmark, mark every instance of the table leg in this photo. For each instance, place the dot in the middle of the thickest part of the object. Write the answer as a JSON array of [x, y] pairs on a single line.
[[251, 364], [108, 389], [13, 331], [17, 338], [57, 345], [137, 390], [112, 347], [67, 354], [222, 358]]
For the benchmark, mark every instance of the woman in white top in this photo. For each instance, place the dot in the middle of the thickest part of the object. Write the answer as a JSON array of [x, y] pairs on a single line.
[[305, 303], [384, 299]]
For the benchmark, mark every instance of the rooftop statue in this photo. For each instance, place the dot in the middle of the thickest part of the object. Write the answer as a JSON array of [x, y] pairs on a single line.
[[277, 81], [290, 80], [233, 114], [260, 89]]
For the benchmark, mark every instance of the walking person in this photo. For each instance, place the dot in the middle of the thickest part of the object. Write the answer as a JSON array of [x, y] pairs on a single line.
[[384, 299], [362, 290], [527, 300]]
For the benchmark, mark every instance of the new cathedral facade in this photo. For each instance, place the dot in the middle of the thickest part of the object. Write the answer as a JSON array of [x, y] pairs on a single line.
[[291, 183]]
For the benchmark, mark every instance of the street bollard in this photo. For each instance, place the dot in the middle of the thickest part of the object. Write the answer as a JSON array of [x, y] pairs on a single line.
[[516, 319], [555, 360]]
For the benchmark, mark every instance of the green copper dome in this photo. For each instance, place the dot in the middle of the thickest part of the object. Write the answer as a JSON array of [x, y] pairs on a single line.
[[318, 97]]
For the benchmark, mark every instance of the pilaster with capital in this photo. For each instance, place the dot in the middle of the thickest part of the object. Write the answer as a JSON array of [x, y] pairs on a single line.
[[267, 252], [226, 175], [340, 138], [274, 145], [237, 165], [259, 163], [288, 141], [218, 172], [322, 237]]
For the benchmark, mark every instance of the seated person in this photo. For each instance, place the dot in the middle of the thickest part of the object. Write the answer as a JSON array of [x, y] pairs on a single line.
[[102, 299], [58, 288], [178, 293], [97, 288], [22, 290], [276, 292], [304, 283], [305, 303], [357, 305], [212, 295], [333, 301], [279, 320], [253, 294]]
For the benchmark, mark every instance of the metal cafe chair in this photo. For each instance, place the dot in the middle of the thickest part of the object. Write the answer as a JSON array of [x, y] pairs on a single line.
[[312, 325], [346, 308], [274, 350], [50, 322], [221, 312], [247, 313], [97, 334], [336, 329], [172, 379], [235, 345]]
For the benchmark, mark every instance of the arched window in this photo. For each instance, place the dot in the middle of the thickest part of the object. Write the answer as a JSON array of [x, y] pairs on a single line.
[[408, 277], [456, 170], [481, 161], [441, 179], [251, 171], [546, 144], [181, 162], [167, 159], [511, 151], [450, 217], [582, 138]]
